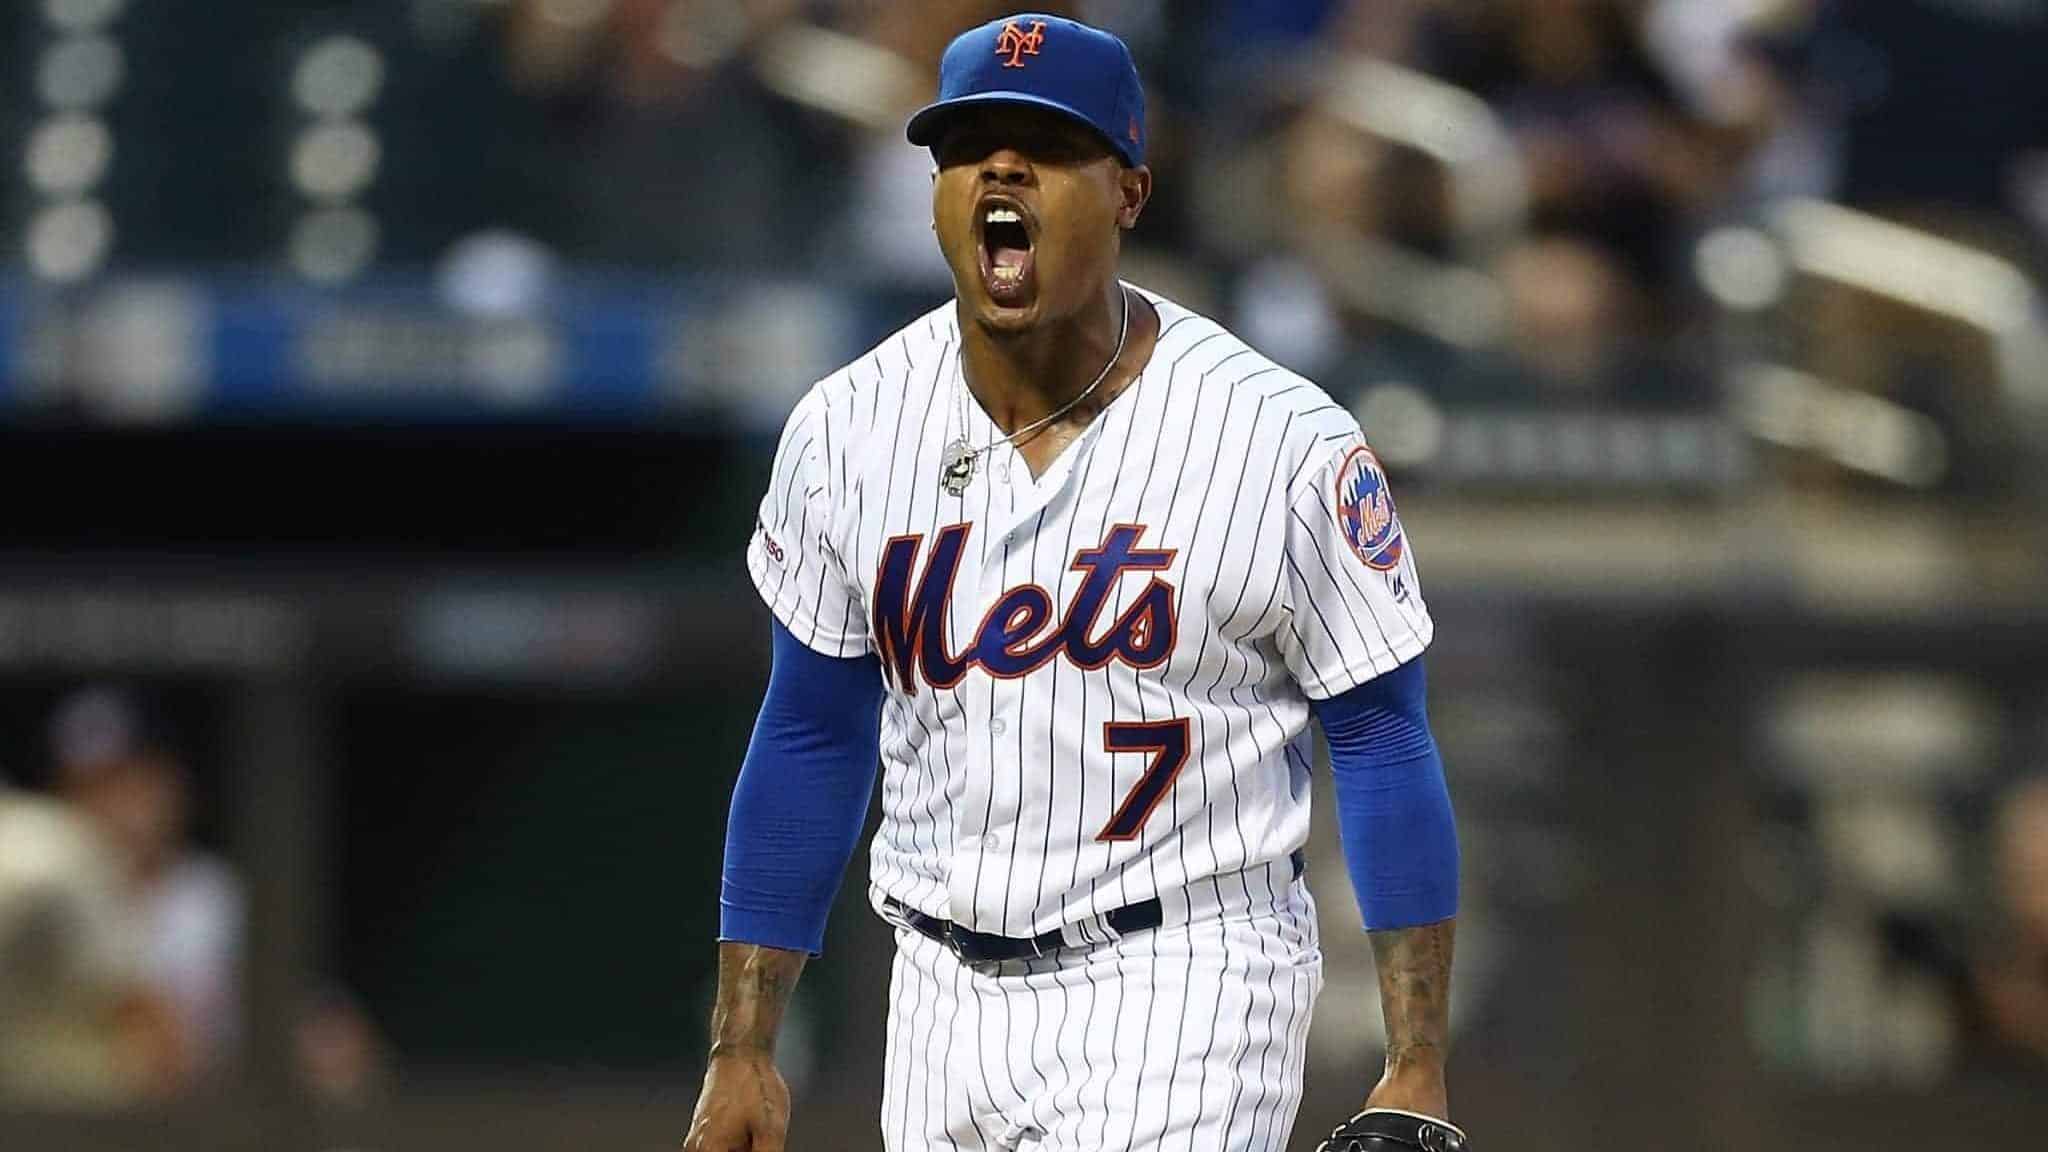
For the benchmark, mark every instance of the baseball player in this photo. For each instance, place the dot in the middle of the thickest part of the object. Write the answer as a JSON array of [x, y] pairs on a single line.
[[1075, 566]]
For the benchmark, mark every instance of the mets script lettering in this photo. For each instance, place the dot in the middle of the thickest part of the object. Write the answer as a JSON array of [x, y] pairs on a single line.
[[1375, 514], [1016, 43], [1019, 633]]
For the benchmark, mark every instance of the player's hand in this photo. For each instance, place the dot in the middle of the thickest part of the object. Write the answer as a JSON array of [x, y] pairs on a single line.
[[744, 1106]]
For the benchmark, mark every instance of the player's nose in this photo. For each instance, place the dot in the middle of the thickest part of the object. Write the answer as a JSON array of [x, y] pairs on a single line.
[[1007, 166]]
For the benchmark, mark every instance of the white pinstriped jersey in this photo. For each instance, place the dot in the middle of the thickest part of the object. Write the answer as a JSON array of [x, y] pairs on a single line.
[[1098, 679]]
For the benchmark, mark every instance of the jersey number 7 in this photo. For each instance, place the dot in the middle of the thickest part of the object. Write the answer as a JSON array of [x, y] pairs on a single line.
[[1167, 740]]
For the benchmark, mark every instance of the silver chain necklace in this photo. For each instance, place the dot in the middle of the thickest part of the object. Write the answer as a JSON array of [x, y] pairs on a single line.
[[956, 466]]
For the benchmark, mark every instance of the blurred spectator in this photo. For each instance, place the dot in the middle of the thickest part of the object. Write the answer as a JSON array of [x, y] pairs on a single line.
[[1612, 158], [2013, 981], [675, 150], [1531, 250], [77, 1027], [186, 904], [1566, 311]]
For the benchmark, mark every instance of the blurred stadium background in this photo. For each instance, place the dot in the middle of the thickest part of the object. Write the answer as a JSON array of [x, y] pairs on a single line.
[[386, 387]]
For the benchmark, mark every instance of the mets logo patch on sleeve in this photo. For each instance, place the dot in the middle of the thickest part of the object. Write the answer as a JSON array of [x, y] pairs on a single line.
[[1365, 506]]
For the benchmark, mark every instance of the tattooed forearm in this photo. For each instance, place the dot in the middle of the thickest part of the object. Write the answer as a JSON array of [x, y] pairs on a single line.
[[754, 984], [1415, 993]]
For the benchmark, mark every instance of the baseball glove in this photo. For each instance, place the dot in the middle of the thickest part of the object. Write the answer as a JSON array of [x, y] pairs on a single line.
[[1389, 1130]]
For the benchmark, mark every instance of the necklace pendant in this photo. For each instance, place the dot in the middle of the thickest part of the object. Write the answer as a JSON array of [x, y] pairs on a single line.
[[956, 468]]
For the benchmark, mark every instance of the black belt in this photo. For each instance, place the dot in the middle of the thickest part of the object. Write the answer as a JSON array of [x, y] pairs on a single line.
[[986, 948]]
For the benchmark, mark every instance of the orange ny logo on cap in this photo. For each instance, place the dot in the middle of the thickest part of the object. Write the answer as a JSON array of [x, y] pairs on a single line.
[[1018, 43]]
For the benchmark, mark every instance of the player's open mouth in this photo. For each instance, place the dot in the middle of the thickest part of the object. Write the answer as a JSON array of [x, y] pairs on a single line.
[[1006, 250]]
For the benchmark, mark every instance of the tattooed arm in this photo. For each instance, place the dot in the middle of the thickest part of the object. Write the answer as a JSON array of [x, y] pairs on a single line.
[[754, 984], [796, 818], [744, 1106], [1415, 1000], [1401, 848]]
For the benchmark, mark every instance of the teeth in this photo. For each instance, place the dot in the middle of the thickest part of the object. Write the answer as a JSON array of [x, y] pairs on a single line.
[[1004, 216]]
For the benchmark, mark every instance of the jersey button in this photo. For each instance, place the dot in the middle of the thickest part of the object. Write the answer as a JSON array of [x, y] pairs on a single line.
[[1003, 470], [993, 842], [998, 727]]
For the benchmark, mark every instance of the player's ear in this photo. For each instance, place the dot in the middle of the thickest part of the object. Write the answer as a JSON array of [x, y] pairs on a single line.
[[1134, 188]]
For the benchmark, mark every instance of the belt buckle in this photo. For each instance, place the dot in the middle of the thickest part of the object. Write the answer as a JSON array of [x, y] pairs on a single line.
[[960, 942]]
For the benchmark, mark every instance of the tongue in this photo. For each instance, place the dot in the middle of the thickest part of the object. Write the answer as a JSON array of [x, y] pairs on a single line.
[[1008, 268]]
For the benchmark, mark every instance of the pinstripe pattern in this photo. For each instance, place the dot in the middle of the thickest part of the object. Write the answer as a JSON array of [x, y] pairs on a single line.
[[994, 789], [1081, 1051]]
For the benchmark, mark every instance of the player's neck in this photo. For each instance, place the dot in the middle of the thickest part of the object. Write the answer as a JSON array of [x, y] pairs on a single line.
[[1019, 377]]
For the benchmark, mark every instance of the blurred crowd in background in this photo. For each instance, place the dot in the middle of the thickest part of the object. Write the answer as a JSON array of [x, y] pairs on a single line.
[[1821, 216], [122, 937], [1661, 311]]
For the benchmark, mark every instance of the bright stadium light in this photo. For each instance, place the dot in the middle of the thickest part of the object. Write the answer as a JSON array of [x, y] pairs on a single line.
[[339, 76], [1740, 267], [82, 15], [70, 241], [332, 162], [80, 72], [1407, 426], [68, 155], [333, 244]]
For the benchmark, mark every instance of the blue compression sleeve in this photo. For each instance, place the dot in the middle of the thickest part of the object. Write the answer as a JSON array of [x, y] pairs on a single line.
[[802, 795], [1393, 808]]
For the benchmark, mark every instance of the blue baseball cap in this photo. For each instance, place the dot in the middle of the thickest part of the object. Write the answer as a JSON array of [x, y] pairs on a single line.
[[1047, 62]]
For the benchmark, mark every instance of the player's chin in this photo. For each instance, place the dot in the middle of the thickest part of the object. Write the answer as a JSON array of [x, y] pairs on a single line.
[[1006, 318]]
